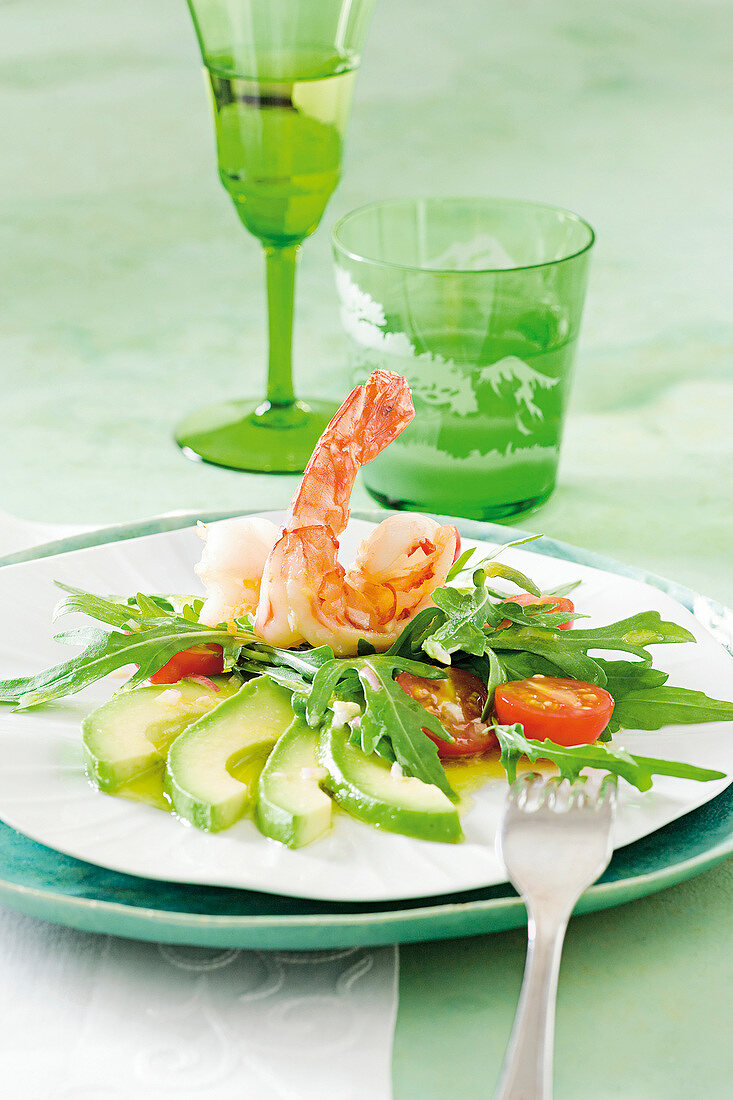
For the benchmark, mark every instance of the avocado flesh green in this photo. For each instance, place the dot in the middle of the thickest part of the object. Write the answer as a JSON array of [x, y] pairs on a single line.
[[367, 787], [199, 777], [131, 733], [291, 807]]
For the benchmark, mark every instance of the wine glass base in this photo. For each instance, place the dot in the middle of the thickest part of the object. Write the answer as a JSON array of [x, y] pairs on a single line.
[[255, 435]]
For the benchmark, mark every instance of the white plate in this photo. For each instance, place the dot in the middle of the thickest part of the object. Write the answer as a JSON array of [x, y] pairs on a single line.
[[45, 794]]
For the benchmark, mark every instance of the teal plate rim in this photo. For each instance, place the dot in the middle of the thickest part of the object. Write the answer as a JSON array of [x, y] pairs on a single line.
[[41, 882]]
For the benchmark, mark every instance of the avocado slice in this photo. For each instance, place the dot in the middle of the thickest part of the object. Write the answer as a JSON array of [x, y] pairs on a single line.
[[131, 733], [370, 789], [200, 774], [291, 806]]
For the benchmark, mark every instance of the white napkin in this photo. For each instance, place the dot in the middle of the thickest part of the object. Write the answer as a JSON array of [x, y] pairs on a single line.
[[99, 1017]]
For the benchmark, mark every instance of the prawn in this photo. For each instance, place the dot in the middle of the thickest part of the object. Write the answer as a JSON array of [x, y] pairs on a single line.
[[305, 594], [290, 579]]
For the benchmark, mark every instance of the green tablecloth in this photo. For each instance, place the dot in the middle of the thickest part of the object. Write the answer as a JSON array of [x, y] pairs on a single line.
[[131, 294]]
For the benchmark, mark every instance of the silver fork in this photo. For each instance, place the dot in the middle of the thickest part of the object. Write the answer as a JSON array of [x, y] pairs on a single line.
[[554, 839]]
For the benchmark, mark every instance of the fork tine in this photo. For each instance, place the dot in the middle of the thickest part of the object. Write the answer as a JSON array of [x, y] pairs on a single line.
[[608, 793], [514, 792], [609, 789], [522, 789], [555, 795], [580, 795]]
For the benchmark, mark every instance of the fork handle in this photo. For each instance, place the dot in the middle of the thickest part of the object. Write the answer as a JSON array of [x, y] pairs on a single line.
[[527, 1070]]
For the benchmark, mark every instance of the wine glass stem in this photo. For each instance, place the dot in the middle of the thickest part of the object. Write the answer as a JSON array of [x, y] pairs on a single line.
[[280, 264]]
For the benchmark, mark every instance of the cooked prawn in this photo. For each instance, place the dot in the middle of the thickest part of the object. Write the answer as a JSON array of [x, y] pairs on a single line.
[[290, 579], [305, 594]]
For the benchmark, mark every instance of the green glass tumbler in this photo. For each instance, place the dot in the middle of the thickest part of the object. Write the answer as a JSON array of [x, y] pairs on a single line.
[[478, 303], [281, 74]]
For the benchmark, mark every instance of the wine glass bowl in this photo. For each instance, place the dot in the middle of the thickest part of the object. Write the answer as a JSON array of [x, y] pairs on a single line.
[[281, 75], [280, 140]]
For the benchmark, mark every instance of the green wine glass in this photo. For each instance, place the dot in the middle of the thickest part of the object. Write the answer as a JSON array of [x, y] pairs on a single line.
[[281, 74]]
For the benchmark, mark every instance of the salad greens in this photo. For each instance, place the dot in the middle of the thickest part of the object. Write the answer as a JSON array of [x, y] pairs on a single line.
[[473, 626], [570, 760], [392, 722], [144, 639]]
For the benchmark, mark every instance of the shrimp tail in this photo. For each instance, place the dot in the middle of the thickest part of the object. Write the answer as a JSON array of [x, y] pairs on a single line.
[[371, 417]]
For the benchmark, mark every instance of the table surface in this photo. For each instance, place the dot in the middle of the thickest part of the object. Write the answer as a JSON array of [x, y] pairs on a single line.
[[131, 294]]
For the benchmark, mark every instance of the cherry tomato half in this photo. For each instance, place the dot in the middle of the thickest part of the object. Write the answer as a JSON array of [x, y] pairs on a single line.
[[559, 603], [200, 660], [458, 702], [568, 712]]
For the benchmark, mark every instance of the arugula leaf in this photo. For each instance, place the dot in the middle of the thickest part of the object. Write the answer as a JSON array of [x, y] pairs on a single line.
[[472, 624], [468, 613], [535, 614], [186, 605], [393, 714], [644, 700], [463, 627], [286, 677], [305, 661], [620, 676], [521, 666], [633, 634], [567, 650], [324, 687], [105, 609], [192, 611], [461, 564], [508, 573], [568, 658], [571, 760], [331, 675], [563, 589], [664, 705], [106, 651], [293, 668], [189, 607], [625, 676], [418, 628], [150, 608], [392, 722], [125, 613], [496, 676]]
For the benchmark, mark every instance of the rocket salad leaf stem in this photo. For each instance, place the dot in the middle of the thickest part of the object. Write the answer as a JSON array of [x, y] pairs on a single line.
[[105, 652], [389, 712], [461, 565], [293, 668], [392, 723], [571, 760]]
